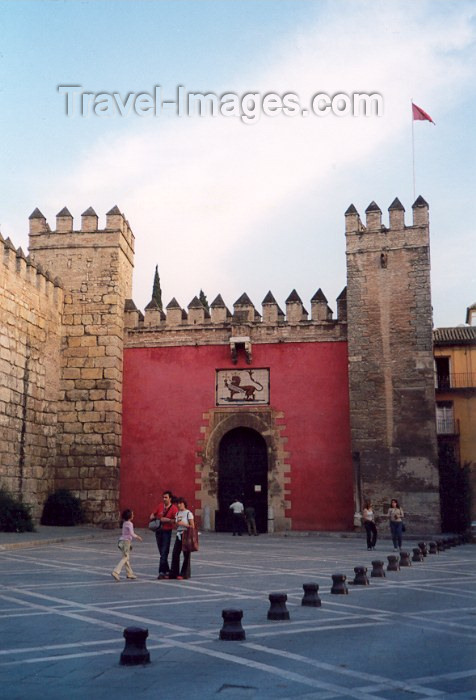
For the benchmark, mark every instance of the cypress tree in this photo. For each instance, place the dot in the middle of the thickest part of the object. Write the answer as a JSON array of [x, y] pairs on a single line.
[[203, 299], [156, 290]]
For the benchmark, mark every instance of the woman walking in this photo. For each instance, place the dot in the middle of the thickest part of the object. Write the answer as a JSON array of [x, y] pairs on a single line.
[[395, 516], [183, 520], [368, 517]]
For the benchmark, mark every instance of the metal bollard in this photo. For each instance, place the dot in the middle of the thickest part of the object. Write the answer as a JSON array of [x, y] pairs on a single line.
[[338, 584], [393, 563], [433, 549], [232, 629], [311, 596], [423, 548], [361, 576], [278, 609], [377, 569], [135, 651], [405, 559], [417, 555]]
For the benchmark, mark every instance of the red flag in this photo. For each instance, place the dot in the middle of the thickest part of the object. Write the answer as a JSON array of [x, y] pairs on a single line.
[[419, 114]]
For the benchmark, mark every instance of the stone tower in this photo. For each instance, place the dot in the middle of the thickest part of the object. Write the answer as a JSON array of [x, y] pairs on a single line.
[[95, 267], [391, 378]]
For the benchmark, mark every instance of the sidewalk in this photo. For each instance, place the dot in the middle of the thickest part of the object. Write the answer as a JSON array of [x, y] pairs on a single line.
[[46, 534]]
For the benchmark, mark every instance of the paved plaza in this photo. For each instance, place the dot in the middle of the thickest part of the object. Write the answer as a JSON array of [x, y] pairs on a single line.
[[409, 635]]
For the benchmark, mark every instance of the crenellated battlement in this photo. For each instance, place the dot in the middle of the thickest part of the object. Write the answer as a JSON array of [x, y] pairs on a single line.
[[374, 232], [27, 272], [198, 325], [65, 235]]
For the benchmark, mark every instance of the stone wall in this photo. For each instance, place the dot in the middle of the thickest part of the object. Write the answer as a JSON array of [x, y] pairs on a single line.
[[195, 326], [391, 378], [30, 327], [96, 266]]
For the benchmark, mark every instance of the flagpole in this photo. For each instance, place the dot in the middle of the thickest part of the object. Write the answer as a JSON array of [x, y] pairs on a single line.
[[413, 150]]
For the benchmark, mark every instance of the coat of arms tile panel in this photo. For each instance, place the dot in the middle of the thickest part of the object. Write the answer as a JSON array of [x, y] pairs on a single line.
[[243, 387]]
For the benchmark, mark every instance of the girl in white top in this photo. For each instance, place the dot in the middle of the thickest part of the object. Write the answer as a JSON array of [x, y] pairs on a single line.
[[183, 520], [369, 524]]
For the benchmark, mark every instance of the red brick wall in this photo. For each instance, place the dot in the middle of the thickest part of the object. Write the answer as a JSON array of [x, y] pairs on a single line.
[[167, 390]]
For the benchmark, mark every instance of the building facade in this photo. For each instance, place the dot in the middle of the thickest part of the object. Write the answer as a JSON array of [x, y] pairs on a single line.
[[455, 386], [301, 414]]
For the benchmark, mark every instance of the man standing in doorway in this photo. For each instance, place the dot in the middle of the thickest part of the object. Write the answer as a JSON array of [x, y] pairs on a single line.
[[166, 513], [237, 509], [250, 517]]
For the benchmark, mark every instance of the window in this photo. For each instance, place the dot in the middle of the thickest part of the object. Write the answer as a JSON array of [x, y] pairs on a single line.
[[442, 379], [445, 420]]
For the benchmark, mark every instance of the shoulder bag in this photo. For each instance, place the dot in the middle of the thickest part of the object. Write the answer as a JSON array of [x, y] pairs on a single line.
[[155, 524], [190, 539]]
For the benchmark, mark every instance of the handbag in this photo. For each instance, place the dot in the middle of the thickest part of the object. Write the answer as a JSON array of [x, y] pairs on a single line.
[[403, 527], [190, 540], [155, 524]]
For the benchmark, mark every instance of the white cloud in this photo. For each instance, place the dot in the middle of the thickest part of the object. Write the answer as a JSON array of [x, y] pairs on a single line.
[[202, 194]]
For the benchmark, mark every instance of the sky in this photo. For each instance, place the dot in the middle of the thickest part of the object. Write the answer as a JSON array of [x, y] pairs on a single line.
[[230, 205]]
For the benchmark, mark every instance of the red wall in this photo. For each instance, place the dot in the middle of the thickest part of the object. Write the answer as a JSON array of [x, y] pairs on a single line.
[[166, 391]]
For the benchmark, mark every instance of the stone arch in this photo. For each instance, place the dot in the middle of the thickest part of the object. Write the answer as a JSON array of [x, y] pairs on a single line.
[[269, 424]]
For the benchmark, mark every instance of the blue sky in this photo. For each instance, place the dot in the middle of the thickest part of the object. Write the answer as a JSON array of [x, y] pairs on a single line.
[[232, 207]]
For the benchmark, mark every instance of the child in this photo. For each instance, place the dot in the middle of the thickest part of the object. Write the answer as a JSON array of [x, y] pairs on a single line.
[[125, 544]]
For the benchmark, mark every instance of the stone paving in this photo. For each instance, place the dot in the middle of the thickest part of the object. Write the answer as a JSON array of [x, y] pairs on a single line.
[[408, 635]]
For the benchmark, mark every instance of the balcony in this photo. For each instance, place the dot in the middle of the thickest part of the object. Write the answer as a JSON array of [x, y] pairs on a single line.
[[457, 380], [446, 425]]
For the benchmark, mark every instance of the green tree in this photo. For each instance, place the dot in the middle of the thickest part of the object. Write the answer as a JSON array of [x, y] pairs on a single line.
[[203, 299], [156, 290]]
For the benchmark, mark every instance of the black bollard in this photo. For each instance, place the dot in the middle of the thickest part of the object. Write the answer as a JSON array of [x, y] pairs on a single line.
[[417, 555], [393, 563], [361, 576], [311, 597], [338, 584], [433, 549], [232, 630], [405, 559], [135, 651], [377, 569], [423, 548], [278, 609]]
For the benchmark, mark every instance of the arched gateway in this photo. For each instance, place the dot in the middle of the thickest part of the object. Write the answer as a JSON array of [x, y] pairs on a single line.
[[242, 454], [243, 474]]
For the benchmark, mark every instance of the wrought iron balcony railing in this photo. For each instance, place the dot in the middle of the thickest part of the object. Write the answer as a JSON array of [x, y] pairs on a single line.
[[456, 380]]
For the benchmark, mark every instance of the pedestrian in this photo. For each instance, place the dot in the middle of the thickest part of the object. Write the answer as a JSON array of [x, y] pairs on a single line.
[[368, 517], [183, 520], [125, 545], [165, 512], [395, 516], [237, 508], [250, 517]]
